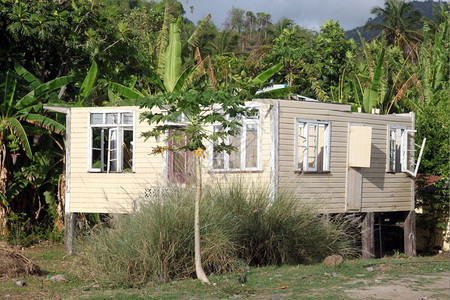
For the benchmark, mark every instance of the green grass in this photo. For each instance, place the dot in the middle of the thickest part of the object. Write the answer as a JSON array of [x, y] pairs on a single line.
[[287, 282]]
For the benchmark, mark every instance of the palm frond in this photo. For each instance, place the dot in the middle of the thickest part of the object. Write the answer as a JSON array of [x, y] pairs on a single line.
[[195, 37]]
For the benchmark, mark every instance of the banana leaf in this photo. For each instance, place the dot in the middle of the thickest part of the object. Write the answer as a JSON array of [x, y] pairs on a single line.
[[88, 81], [172, 66], [266, 75], [20, 133]]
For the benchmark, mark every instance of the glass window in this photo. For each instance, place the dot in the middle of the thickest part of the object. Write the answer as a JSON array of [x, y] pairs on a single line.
[[111, 142], [247, 143], [312, 146]]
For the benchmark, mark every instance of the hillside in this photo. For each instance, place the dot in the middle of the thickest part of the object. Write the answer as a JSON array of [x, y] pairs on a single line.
[[425, 7]]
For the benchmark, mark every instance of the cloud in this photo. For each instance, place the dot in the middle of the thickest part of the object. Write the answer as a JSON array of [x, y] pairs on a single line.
[[306, 13]]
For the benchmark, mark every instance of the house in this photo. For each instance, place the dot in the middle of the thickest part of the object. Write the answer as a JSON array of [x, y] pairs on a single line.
[[346, 162]]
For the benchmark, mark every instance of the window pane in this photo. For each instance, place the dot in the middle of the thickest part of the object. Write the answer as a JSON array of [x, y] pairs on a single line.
[[112, 118], [96, 118], [410, 151], [113, 150], [127, 118], [127, 151], [179, 162], [251, 146], [97, 148], [312, 147], [235, 156], [218, 160], [301, 140], [320, 147]]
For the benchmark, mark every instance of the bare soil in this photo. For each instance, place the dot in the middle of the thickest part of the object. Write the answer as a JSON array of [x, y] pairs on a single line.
[[422, 287]]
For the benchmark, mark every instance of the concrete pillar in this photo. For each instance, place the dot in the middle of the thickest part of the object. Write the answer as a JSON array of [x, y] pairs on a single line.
[[367, 236], [410, 234], [70, 232]]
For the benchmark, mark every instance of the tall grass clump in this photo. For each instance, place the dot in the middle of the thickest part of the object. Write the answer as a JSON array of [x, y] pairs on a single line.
[[156, 243], [239, 224], [282, 232]]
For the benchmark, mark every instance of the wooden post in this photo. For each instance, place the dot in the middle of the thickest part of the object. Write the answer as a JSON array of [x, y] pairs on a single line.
[[410, 234], [70, 232], [367, 236]]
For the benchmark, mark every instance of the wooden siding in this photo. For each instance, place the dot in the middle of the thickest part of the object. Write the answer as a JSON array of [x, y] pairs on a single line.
[[109, 192], [381, 191]]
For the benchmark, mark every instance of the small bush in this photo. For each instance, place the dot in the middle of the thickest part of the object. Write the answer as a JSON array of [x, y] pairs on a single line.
[[239, 225]]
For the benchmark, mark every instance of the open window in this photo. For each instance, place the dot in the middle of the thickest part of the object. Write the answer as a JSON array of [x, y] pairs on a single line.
[[247, 156], [312, 146], [111, 141], [402, 150]]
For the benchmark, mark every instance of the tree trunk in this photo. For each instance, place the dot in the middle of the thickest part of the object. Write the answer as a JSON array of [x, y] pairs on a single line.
[[3, 186], [198, 261]]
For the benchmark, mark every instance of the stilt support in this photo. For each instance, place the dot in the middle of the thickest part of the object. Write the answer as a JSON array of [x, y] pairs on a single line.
[[367, 236], [70, 232], [410, 234]]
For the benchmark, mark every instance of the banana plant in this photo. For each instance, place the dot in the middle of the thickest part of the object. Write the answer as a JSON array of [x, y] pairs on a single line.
[[14, 111]]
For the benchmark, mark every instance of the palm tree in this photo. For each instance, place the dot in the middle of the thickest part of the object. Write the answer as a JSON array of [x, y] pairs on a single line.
[[250, 22], [283, 23], [400, 23]]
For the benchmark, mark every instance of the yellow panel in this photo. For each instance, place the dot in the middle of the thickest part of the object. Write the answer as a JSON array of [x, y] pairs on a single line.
[[360, 146]]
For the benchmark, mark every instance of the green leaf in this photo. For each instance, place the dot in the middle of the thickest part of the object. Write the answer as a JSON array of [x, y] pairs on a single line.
[[193, 40], [9, 89], [30, 78], [43, 89], [89, 81], [45, 122], [125, 92], [20, 133], [266, 75], [172, 67], [183, 77]]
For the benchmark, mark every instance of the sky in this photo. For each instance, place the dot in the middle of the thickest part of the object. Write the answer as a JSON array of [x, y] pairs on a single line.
[[306, 13]]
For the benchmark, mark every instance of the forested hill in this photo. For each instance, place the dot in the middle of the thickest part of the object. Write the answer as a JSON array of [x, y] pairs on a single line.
[[425, 7]]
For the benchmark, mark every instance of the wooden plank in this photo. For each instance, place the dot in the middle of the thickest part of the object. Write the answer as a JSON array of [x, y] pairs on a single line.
[[410, 234], [360, 145], [354, 189], [367, 236]]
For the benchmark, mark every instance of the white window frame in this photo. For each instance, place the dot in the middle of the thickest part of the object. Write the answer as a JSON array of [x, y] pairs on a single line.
[[250, 120], [303, 157], [118, 128], [406, 150]]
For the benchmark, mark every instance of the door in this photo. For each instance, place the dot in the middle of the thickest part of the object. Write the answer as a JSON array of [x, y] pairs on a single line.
[[358, 158], [181, 167]]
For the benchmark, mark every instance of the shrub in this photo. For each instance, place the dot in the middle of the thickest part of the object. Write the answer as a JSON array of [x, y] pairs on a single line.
[[239, 224]]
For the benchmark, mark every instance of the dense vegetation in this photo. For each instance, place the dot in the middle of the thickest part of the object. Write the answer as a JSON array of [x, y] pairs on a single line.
[[48, 47]]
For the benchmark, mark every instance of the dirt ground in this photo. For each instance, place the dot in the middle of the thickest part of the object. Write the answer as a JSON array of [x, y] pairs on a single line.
[[408, 288]]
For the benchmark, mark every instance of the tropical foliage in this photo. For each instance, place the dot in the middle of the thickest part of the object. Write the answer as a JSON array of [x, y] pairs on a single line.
[[115, 53]]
